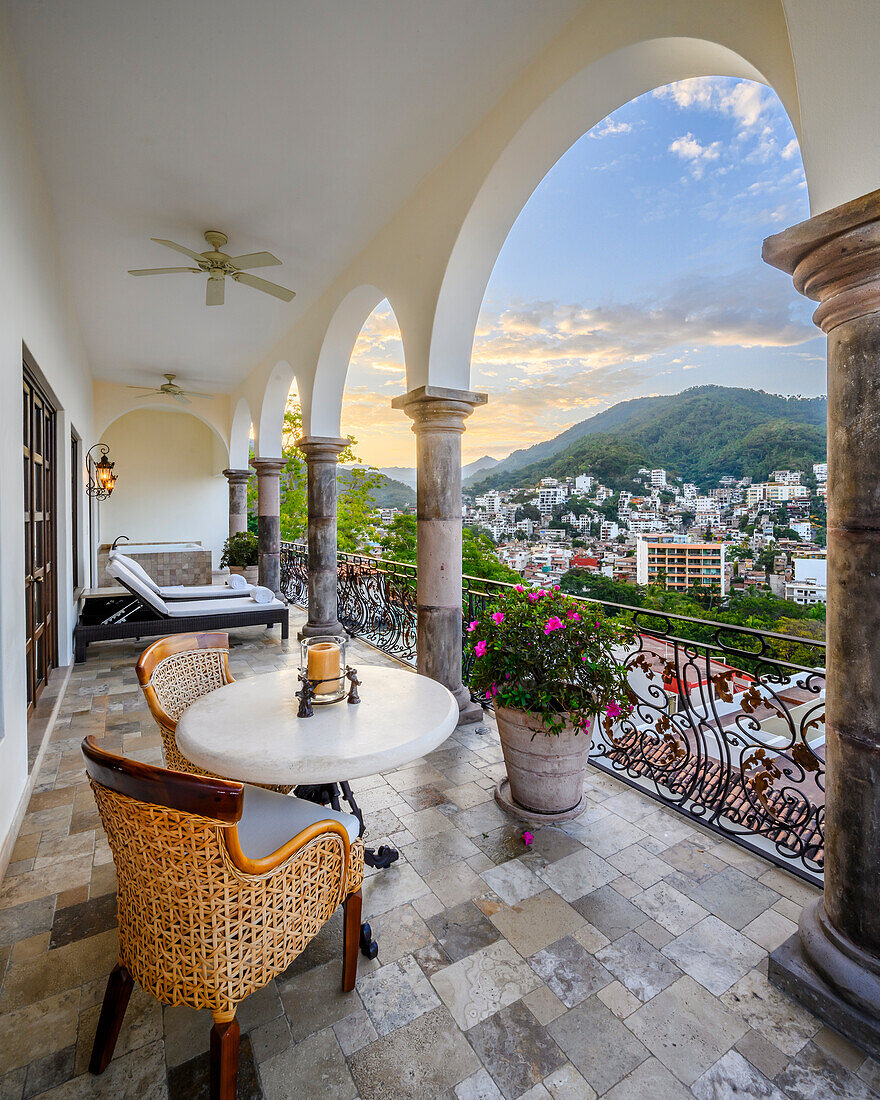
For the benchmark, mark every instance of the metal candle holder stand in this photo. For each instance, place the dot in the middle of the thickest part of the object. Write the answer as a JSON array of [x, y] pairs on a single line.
[[308, 697]]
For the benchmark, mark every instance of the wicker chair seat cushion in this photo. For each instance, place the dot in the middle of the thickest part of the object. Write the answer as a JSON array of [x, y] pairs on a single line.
[[269, 820]]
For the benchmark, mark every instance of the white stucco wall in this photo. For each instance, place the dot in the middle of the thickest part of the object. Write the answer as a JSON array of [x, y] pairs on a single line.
[[35, 310], [171, 486]]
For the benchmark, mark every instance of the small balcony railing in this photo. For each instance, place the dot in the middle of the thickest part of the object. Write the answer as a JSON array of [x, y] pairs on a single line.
[[728, 724]]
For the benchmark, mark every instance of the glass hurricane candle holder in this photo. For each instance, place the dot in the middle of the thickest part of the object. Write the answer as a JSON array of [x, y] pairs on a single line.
[[323, 664]]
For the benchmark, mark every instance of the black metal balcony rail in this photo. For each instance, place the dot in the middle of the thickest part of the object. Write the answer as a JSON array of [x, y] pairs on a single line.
[[726, 728]]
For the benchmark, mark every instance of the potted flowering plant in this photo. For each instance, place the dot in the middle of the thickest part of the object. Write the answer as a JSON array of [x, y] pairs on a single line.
[[550, 664]]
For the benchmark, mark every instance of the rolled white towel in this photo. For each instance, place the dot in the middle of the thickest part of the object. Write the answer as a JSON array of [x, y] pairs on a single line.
[[263, 595], [236, 580]]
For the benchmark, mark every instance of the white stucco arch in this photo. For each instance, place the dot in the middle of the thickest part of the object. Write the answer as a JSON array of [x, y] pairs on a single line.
[[552, 128], [334, 357], [268, 434], [240, 435], [162, 406]]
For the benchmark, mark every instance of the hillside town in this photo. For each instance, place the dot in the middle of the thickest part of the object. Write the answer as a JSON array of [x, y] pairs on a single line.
[[736, 536]]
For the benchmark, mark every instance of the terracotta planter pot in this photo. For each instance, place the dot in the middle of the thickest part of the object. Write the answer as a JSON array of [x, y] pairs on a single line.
[[249, 572], [546, 772]]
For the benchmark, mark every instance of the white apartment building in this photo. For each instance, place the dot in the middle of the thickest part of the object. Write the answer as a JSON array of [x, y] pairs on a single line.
[[786, 477], [803, 528], [810, 581], [549, 496], [658, 479], [775, 492], [608, 530], [584, 483], [820, 471]]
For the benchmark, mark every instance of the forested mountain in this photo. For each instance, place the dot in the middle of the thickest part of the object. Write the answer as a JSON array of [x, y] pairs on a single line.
[[699, 435]]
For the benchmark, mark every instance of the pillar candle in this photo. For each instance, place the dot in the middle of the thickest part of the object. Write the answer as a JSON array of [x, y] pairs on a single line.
[[323, 664]]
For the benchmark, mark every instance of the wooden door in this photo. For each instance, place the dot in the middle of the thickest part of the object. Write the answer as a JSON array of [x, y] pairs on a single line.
[[40, 582]]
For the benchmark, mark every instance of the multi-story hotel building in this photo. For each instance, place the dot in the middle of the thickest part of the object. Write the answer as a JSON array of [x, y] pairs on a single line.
[[680, 565]]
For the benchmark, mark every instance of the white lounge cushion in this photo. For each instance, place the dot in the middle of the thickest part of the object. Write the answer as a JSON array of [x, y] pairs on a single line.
[[204, 592], [236, 580], [183, 608], [270, 819], [133, 583], [136, 568]]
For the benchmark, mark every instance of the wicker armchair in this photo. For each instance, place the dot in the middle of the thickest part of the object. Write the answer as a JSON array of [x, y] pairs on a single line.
[[202, 923], [175, 671]]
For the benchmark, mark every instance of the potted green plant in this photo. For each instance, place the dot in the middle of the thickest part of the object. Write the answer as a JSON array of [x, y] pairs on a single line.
[[241, 555], [551, 664]]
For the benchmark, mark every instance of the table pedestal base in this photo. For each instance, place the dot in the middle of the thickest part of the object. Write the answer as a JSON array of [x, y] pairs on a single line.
[[328, 794]]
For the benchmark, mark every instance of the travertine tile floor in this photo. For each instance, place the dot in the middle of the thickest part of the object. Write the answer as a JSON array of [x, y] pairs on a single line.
[[623, 955]]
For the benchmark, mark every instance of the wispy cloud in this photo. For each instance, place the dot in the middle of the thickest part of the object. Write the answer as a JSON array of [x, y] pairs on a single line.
[[610, 127], [745, 101], [687, 148]]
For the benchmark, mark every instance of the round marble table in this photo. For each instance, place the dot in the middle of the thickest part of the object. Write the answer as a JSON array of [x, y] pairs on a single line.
[[249, 730]]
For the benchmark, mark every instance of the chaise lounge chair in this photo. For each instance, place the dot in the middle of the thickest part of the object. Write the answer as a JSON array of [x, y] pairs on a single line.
[[235, 588], [147, 615]]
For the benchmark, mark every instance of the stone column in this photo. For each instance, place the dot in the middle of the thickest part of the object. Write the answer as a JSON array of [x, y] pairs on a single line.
[[238, 480], [321, 454], [833, 964], [269, 521], [438, 416]]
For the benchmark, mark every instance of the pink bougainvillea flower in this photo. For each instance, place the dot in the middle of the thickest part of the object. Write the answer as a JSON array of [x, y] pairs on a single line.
[[480, 649], [573, 615], [472, 626], [533, 596], [613, 710], [554, 623], [518, 588], [555, 587], [498, 617], [528, 839], [493, 690]]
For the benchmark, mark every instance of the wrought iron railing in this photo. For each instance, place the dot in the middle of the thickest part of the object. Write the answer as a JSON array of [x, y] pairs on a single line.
[[727, 726]]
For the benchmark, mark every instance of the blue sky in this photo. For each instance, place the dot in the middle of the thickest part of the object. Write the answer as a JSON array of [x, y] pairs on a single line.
[[634, 269]]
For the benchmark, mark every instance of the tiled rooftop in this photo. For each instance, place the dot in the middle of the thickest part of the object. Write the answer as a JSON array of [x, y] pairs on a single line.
[[622, 955]]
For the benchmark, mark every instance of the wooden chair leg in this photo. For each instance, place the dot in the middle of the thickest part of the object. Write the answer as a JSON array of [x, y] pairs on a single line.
[[224, 1056], [119, 986], [351, 940]]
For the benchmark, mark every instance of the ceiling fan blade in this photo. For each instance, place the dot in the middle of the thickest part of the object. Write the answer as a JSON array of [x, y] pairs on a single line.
[[144, 396], [163, 270], [195, 393], [263, 284], [180, 248], [180, 399], [254, 259], [216, 292]]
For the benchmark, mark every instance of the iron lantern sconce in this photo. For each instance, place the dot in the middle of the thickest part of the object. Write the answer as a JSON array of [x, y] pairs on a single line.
[[100, 473]]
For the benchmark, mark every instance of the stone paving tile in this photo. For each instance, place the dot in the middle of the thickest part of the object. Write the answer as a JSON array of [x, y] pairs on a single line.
[[638, 966], [733, 1076], [462, 930], [714, 954], [536, 922], [570, 971], [601, 1047], [480, 984], [416, 1061], [686, 1028], [396, 994], [516, 1049], [605, 908]]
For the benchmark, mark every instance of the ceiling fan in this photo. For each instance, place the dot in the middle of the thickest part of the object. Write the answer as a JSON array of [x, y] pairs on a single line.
[[172, 390], [218, 265]]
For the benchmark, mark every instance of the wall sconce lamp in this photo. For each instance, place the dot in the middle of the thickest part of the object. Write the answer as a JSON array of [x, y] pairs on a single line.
[[100, 474]]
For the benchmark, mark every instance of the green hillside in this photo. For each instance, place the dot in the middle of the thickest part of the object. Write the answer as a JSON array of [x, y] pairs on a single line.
[[699, 435]]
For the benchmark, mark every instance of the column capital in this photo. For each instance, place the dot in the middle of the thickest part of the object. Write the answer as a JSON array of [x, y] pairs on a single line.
[[265, 467], [237, 476], [321, 448], [438, 408], [834, 259]]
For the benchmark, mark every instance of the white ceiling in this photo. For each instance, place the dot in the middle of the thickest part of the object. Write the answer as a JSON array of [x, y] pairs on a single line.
[[297, 127]]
